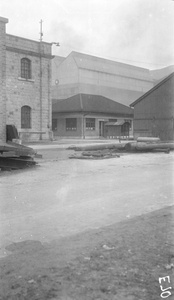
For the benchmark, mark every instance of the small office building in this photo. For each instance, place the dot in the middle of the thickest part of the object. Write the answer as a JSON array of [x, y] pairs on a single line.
[[91, 116]]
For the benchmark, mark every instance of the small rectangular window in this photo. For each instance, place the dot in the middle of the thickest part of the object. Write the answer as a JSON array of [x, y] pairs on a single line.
[[90, 123], [71, 124]]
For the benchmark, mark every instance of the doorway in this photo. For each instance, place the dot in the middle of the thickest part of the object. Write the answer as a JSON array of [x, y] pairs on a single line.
[[125, 129], [101, 128]]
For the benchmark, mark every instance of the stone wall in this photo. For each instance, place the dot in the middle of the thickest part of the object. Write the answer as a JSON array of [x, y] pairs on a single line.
[[3, 22], [34, 92]]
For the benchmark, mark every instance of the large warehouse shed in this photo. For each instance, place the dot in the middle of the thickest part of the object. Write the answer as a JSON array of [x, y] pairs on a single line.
[[87, 74], [154, 111], [91, 116]]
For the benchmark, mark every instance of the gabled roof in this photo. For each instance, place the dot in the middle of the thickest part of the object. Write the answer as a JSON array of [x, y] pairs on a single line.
[[152, 90], [160, 74], [85, 61], [91, 104]]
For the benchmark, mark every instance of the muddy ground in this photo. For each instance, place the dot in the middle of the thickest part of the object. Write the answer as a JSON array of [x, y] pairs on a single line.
[[87, 230]]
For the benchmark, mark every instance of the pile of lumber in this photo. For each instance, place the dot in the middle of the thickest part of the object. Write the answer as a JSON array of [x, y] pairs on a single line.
[[95, 154], [142, 144], [97, 147], [15, 156], [149, 144]]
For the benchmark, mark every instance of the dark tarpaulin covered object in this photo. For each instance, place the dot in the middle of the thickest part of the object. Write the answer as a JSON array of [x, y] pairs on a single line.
[[11, 133]]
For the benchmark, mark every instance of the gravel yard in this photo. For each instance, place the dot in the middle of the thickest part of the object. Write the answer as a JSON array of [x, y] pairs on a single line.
[[72, 202]]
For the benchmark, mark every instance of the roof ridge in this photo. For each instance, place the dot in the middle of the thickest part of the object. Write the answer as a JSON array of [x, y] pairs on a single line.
[[96, 95], [73, 53], [152, 89]]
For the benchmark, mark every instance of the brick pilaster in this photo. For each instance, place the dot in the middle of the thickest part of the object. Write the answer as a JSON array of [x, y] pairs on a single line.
[[3, 22]]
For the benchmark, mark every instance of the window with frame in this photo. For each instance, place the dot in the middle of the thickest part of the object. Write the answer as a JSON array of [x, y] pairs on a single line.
[[71, 124], [90, 123], [25, 68], [25, 116]]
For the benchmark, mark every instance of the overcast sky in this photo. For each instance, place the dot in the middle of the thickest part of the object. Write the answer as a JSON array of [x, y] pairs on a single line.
[[138, 32]]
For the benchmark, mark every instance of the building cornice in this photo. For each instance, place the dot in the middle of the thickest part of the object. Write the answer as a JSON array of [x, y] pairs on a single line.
[[3, 20], [27, 52], [26, 39]]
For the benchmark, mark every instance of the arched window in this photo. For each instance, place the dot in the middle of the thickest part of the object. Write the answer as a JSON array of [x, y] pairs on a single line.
[[25, 68], [25, 116]]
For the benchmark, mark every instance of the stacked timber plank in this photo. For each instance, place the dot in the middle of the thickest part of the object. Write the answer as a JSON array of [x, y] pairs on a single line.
[[149, 144], [142, 144], [15, 156], [96, 154], [99, 151], [97, 147]]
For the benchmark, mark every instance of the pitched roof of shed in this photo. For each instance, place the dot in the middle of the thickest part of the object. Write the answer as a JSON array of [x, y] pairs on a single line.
[[90, 62], [91, 103], [160, 74], [152, 90]]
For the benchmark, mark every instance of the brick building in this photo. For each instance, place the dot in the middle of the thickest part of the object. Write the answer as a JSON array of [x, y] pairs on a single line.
[[25, 86]]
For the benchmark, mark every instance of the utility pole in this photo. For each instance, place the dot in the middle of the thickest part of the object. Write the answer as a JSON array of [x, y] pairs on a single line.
[[41, 32]]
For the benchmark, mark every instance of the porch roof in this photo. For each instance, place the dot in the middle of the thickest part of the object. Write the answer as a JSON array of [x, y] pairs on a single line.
[[118, 123]]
